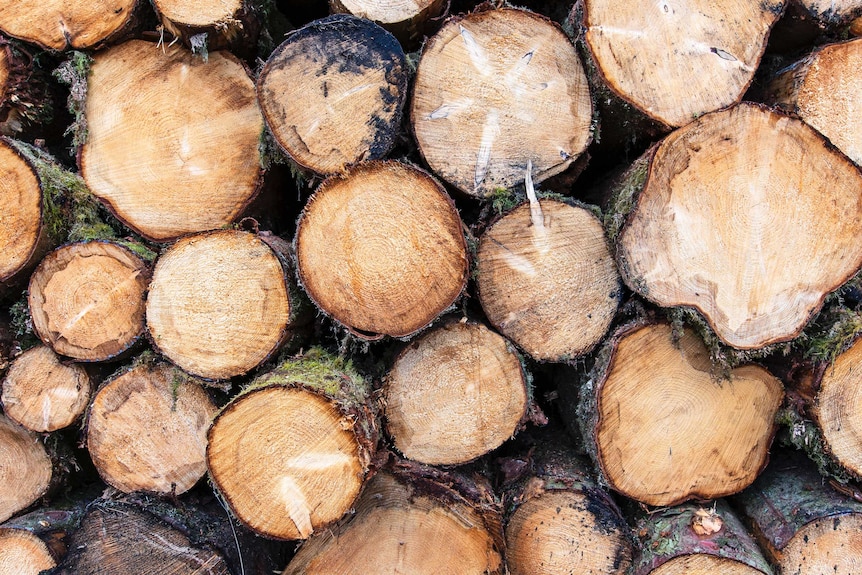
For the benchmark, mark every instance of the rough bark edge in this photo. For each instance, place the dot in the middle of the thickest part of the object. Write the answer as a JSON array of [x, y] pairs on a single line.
[[353, 335], [240, 32], [788, 496], [410, 33], [668, 534], [383, 143], [28, 101]]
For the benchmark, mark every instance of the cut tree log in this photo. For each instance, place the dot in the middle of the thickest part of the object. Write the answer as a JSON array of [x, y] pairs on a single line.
[[454, 394], [212, 313], [408, 20], [22, 553], [381, 249], [485, 86], [87, 300], [25, 468], [803, 524], [395, 519], [823, 89], [26, 101], [697, 540], [65, 24], [158, 121], [662, 427], [43, 393], [547, 279], [831, 14], [290, 454], [675, 62], [147, 430], [210, 25], [559, 521], [746, 215], [828, 396], [332, 93]]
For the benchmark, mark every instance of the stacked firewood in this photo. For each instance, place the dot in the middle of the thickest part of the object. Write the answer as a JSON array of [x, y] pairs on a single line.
[[417, 287]]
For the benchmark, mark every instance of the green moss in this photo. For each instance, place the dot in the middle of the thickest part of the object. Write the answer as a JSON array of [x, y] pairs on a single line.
[[625, 196], [74, 72], [804, 435], [504, 199], [22, 323], [138, 249], [832, 334]]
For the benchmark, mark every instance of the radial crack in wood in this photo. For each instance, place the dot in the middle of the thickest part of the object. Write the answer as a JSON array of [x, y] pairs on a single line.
[[172, 140], [675, 61], [749, 216], [485, 86]]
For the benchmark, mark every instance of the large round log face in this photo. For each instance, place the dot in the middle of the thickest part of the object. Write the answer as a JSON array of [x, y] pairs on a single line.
[[172, 140], [21, 217], [677, 60], [826, 545], [485, 89], [381, 249], [749, 216]]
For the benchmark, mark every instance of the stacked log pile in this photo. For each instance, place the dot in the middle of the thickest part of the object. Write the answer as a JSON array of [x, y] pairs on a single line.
[[430, 288]]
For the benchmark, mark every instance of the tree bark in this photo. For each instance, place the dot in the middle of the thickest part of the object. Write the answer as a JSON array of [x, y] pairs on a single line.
[[307, 432], [558, 520], [547, 280], [399, 512], [26, 98], [697, 540], [212, 25], [454, 394], [663, 427], [333, 92], [803, 524], [484, 86], [746, 215], [215, 316], [43, 393], [87, 300], [381, 249], [197, 122]]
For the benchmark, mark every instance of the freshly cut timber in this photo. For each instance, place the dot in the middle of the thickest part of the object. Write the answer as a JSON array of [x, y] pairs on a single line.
[[829, 396], [747, 215], [559, 521], [677, 61], [147, 430], [290, 453], [802, 523], [408, 20], [547, 279], [64, 24], [663, 427], [454, 394], [25, 468], [87, 300], [395, 519], [697, 540], [25, 99], [43, 393], [486, 88], [22, 553], [172, 139], [208, 25], [332, 93], [116, 537], [381, 249], [24, 237], [211, 312], [823, 89]]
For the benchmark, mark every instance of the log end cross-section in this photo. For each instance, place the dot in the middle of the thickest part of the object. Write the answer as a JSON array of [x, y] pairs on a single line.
[[333, 93], [87, 300], [23, 553], [25, 468], [61, 24], [381, 249], [749, 216], [172, 140], [494, 90]]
